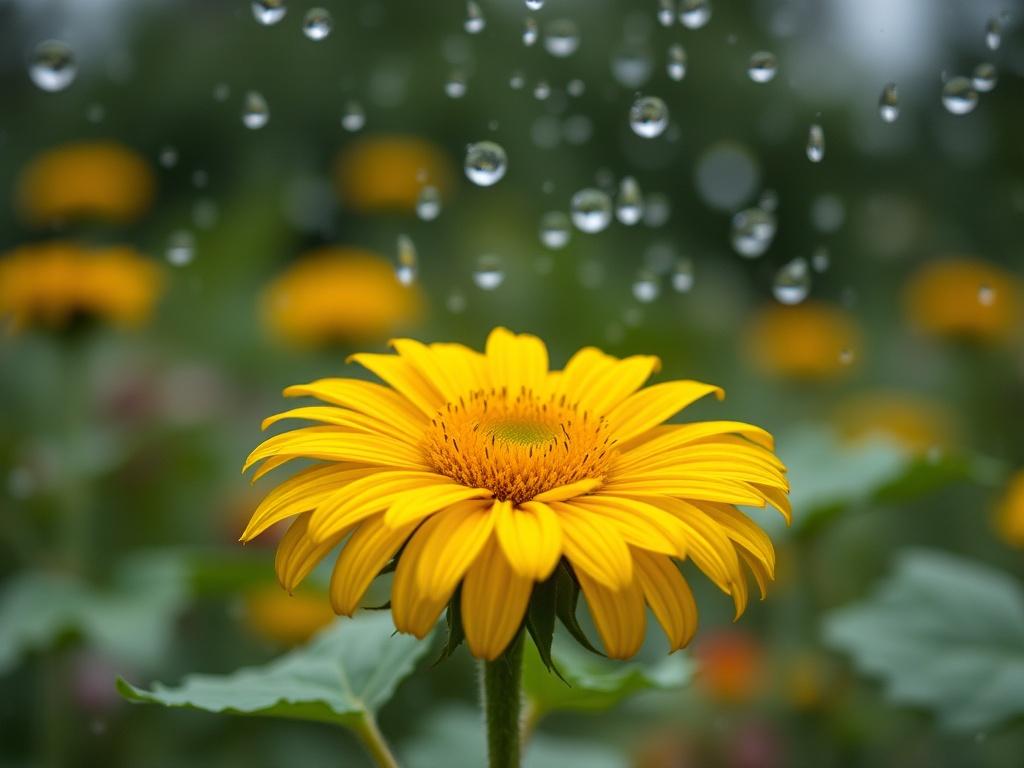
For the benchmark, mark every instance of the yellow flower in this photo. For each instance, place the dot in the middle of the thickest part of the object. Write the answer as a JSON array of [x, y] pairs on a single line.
[[911, 421], [490, 471], [286, 619], [812, 340], [387, 173], [1009, 517], [339, 294], [101, 180], [50, 284]]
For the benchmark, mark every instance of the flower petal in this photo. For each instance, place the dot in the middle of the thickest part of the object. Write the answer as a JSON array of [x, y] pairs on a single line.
[[530, 536], [651, 406], [490, 623], [298, 553], [333, 444], [570, 491], [669, 596], [594, 545], [417, 503], [618, 614], [405, 378], [516, 361], [453, 543], [374, 400], [361, 559]]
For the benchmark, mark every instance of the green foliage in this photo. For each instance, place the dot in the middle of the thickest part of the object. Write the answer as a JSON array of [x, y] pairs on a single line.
[[943, 633]]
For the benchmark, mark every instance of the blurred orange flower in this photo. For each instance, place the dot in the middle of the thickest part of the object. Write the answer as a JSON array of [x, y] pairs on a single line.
[[1009, 513], [50, 284], [101, 180], [911, 421], [812, 340], [730, 666], [964, 298], [387, 173], [286, 619], [339, 294]]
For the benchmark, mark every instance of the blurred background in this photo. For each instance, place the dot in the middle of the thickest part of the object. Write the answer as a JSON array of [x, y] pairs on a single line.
[[816, 204]]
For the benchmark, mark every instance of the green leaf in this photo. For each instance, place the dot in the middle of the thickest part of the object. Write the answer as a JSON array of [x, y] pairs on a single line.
[[540, 619], [131, 620], [453, 620], [592, 683], [943, 633], [567, 596], [348, 670]]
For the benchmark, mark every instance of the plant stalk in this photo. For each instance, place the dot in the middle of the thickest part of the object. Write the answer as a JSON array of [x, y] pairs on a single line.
[[371, 737], [502, 706]]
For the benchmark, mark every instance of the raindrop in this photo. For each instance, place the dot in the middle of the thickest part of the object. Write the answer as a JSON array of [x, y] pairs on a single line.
[[486, 163], [407, 263], [629, 207], [682, 275], [576, 88], [555, 230], [984, 77], [959, 96], [694, 14], [516, 81], [632, 66], [889, 103], [648, 117], [657, 210], [52, 66], [475, 21], [591, 210], [561, 37], [354, 117], [646, 286], [317, 24], [168, 157], [846, 356], [221, 92], [676, 66], [200, 178], [986, 295], [820, 260], [534, 5], [428, 204], [541, 90], [268, 12], [993, 34], [181, 248], [792, 282], [815, 143], [489, 272], [769, 200], [753, 230], [763, 67], [828, 213], [455, 85], [456, 302], [530, 32], [255, 112], [666, 13]]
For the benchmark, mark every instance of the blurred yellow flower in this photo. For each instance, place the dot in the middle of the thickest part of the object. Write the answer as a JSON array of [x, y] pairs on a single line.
[[730, 666], [487, 469], [101, 180], [964, 298], [911, 421], [50, 284], [387, 173], [337, 294], [1009, 513], [812, 340], [286, 619]]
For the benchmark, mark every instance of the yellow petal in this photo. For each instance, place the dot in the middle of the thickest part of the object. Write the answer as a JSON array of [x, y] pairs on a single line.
[[453, 543], [609, 385], [669, 596], [417, 503], [404, 378], [594, 545], [412, 609], [530, 536], [365, 397], [639, 523], [361, 559], [651, 406], [431, 367], [494, 600], [339, 417], [570, 491], [618, 614], [516, 361], [675, 435], [298, 554], [728, 491], [333, 444]]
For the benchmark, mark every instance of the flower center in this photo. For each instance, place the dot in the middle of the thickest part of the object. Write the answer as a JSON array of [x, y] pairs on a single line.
[[517, 446]]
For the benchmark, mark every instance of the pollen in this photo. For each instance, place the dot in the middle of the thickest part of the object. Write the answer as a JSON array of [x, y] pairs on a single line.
[[518, 446]]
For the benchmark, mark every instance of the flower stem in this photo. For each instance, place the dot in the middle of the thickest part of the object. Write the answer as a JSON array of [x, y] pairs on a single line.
[[373, 740], [502, 704]]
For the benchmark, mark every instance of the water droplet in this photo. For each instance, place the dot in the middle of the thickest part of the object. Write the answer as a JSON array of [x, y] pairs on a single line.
[[541, 90], [221, 92], [200, 178], [986, 295], [846, 356], [815, 143], [792, 282], [516, 81], [959, 96], [646, 286], [993, 34], [682, 275], [168, 157], [475, 21], [763, 67], [181, 248], [255, 112], [676, 66], [555, 230], [561, 37], [828, 213], [632, 66], [820, 259], [534, 5], [666, 13], [489, 272], [769, 200], [591, 210], [889, 103], [753, 230], [984, 78], [657, 210], [407, 263], [629, 207], [428, 204], [455, 86], [576, 88], [694, 14], [354, 117], [205, 213], [456, 302], [530, 32], [648, 117], [317, 24], [52, 66], [486, 163], [268, 12]]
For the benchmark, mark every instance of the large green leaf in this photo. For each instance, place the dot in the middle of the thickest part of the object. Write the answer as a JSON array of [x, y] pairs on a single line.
[[131, 619], [347, 671], [594, 683], [943, 633]]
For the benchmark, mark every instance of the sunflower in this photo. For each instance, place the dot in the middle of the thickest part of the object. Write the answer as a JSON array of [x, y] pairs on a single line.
[[809, 341], [481, 477], [912, 421], [388, 173], [54, 283], [339, 294], [99, 180]]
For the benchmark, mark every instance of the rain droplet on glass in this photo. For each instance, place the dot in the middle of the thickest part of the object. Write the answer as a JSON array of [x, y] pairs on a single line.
[[489, 272], [648, 117], [317, 23], [591, 210], [763, 67], [792, 282], [255, 112], [753, 230], [52, 66], [485, 163], [407, 263], [428, 204], [555, 230], [268, 12], [561, 38], [815, 143], [694, 14], [629, 206], [959, 96], [889, 103], [475, 21], [676, 65]]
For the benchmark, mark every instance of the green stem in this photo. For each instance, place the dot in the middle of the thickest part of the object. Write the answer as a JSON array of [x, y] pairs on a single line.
[[373, 740], [502, 705]]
